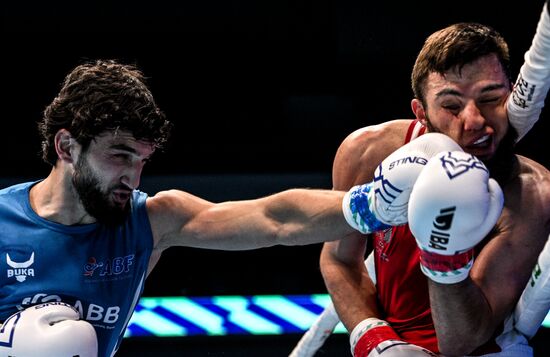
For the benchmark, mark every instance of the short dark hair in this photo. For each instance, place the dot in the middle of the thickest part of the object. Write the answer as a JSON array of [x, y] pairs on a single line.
[[456, 46], [100, 96]]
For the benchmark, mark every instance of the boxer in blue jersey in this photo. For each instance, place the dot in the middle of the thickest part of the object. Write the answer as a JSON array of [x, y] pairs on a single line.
[[78, 245], [85, 235]]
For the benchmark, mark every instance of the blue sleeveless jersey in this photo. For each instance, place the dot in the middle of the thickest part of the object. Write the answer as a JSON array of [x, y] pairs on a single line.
[[99, 270]]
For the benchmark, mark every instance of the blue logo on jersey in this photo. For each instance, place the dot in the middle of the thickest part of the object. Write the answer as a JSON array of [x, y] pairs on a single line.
[[109, 267], [91, 266]]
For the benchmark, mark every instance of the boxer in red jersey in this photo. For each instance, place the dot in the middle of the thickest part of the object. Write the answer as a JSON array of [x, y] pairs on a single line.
[[462, 86]]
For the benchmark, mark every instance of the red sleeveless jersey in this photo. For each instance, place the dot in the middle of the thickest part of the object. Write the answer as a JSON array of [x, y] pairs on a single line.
[[402, 287]]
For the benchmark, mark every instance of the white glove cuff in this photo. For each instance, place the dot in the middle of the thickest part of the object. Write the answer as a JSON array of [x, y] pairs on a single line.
[[361, 328], [453, 277], [356, 209], [446, 269]]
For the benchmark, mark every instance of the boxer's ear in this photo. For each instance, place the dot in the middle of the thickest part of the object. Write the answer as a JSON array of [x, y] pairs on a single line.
[[63, 142], [418, 110]]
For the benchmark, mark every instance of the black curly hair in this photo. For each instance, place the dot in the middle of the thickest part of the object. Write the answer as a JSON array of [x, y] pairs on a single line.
[[101, 96]]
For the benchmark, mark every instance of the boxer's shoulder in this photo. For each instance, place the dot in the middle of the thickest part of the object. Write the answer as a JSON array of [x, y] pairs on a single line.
[[366, 147], [390, 132], [531, 185], [529, 192]]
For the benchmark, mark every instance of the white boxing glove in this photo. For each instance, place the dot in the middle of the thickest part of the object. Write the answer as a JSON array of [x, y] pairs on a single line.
[[49, 329], [453, 206], [373, 337], [383, 202]]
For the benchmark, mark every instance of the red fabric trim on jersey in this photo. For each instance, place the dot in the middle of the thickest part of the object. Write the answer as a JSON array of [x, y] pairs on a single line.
[[373, 338], [445, 263], [411, 128]]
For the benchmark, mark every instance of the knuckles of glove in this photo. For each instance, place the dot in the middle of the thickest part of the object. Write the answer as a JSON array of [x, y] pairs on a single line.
[[395, 177], [454, 204], [49, 329]]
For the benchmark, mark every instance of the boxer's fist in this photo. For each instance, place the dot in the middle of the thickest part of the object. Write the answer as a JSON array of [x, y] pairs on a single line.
[[383, 202], [373, 337], [49, 329], [453, 206]]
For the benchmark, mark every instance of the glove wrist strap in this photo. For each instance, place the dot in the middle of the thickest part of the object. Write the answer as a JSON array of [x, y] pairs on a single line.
[[356, 207], [368, 334], [446, 269]]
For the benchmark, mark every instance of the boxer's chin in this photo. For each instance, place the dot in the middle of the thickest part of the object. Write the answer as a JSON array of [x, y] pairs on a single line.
[[107, 208], [112, 214], [102, 206]]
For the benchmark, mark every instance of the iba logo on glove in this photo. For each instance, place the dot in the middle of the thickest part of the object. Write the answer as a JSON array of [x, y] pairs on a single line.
[[455, 166], [441, 225]]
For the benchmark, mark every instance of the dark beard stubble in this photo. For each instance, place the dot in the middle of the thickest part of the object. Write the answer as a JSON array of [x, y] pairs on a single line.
[[95, 202]]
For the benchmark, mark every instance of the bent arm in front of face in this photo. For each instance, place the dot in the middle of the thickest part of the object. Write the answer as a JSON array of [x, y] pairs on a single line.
[[468, 313], [292, 217]]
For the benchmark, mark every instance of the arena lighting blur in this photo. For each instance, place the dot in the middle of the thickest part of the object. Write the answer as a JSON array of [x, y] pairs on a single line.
[[226, 315], [230, 315]]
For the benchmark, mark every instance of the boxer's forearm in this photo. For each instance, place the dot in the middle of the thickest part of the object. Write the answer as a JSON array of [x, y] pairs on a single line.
[[534, 302], [462, 316], [354, 298], [527, 99], [351, 288]]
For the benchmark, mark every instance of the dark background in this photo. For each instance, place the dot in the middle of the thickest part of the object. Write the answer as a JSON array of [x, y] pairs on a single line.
[[261, 94]]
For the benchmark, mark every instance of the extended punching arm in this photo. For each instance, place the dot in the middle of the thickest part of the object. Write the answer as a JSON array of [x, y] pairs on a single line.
[[384, 202]]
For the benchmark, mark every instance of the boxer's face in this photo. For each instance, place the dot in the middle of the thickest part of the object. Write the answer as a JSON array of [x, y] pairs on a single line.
[[107, 172], [469, 106]]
